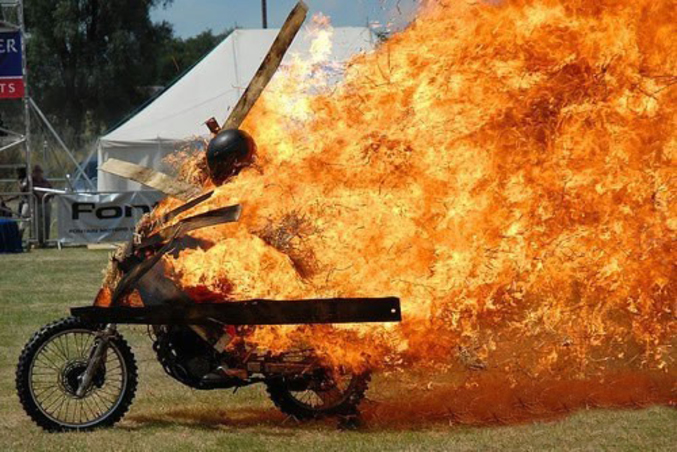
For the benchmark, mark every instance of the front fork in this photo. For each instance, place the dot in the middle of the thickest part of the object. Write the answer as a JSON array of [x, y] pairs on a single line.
[[96, 358]]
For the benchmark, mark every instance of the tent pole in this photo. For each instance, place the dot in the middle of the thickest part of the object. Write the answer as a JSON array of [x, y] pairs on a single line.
[[44, 119]]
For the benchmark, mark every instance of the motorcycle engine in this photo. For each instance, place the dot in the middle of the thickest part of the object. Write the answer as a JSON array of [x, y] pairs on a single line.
[[184, 355]]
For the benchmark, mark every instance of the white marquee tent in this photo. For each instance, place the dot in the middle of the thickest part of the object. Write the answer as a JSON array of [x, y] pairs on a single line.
[[210, 88]]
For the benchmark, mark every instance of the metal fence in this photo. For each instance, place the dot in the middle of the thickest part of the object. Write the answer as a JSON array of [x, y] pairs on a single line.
[[54, 217], [47, 220], [36, 217]]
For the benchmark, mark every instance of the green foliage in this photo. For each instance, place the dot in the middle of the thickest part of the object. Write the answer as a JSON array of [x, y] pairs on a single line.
[[92, 62]]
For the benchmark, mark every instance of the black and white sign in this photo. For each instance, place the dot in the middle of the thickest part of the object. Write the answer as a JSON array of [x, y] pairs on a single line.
[[102, 217]]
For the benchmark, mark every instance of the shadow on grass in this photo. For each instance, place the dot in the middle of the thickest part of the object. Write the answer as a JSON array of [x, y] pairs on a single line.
[[205, 419], [371, 419], [269, 422], [421, 410]]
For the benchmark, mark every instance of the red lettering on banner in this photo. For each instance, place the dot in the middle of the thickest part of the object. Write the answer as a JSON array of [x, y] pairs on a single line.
[[11, 88]]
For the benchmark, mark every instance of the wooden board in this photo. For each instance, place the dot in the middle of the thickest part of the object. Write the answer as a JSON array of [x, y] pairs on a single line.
[[210, 218], [250, 312], [151, 178], [268, 67]]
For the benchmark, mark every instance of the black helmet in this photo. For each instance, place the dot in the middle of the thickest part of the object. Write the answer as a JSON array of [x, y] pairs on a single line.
[[229, 152]]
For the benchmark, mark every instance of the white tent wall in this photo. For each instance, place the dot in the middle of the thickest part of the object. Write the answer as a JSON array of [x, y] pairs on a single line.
[[148, 153], [210, 88]]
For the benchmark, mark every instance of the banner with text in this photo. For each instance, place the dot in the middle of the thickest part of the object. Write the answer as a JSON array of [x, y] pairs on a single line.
[[11, 67], [102, 217]]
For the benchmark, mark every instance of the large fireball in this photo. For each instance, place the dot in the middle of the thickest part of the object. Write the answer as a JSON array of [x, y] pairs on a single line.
[[508, 170]]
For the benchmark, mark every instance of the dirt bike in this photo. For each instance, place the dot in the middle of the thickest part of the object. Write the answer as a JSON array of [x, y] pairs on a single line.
[[79, 373]]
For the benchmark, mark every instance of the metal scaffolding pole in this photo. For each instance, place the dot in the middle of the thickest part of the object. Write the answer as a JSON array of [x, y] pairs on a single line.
[[17, 9], [27, 112], [12, 18], [79, 169]]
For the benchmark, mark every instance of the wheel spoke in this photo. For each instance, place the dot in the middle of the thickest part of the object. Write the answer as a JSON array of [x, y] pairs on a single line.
[[325, 392], [49, 362], [85, 346], [94, 413], [49, 389], [50, 397], [65, 409], [92, 398], [59, 347], [63, 399], [66, 346], [333, 394], [105, 397]]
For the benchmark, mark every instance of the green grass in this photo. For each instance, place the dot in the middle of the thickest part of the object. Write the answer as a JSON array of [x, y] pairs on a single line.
[[38, 287]]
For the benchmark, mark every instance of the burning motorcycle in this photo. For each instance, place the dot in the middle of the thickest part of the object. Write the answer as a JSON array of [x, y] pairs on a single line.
[[79, 373]]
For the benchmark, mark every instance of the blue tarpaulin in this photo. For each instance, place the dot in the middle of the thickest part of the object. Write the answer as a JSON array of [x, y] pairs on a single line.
[[10, 239]]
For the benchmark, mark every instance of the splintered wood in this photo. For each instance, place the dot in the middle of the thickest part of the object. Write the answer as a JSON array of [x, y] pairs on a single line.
[[268, 67], [186, 191], [151, 178]]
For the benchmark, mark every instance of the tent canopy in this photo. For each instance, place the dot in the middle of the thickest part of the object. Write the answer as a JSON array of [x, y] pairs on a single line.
[[211, 88]]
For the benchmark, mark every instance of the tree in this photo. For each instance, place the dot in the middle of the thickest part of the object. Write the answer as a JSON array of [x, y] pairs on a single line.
[[90, 61]]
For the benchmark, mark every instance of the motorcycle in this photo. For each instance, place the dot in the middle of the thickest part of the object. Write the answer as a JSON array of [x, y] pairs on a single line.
[[79, 373]]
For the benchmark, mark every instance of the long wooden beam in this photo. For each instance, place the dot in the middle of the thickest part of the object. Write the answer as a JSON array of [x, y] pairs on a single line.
[[251, 312], [151, 178], [268, 67]]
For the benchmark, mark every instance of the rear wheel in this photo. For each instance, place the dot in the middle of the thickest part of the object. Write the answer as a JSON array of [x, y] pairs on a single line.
[[326, 393], [51, 368]]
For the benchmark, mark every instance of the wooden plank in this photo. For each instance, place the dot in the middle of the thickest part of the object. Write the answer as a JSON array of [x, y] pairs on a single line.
[[267, 69], [104, 246], [250, 312], [187, 206], [151, 178], [210, 218]]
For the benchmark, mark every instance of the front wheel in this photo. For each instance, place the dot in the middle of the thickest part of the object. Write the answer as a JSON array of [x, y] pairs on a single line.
[[51, 368]]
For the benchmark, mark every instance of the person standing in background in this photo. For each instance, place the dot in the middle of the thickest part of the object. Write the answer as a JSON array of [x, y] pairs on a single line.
[[24, 206], [43, 209]]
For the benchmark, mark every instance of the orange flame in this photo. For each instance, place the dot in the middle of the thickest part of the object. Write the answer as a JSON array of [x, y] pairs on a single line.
[[507, 170]]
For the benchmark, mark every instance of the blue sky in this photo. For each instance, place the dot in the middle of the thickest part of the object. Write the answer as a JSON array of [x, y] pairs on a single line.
[[190, 17]]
